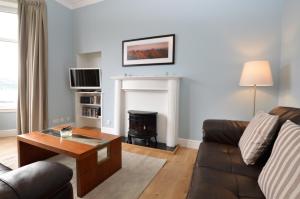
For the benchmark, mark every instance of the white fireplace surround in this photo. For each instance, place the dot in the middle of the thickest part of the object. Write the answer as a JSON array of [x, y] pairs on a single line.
[[148, 93]]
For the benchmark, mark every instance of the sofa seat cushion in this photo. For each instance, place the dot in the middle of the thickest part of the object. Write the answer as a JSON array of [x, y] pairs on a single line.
[[216, 184], [225, 158], [206, 190], [4, 169]]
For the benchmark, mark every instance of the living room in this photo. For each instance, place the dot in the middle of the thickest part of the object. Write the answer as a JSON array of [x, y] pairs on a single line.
[[149, 99]]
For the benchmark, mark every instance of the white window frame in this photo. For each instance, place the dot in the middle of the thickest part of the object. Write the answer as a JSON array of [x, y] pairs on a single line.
[[9, 7]]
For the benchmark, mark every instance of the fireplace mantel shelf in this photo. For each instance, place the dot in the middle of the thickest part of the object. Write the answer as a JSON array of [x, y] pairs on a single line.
[[145, 77]]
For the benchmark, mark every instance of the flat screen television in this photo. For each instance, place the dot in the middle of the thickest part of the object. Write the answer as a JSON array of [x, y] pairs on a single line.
[[85, 78]]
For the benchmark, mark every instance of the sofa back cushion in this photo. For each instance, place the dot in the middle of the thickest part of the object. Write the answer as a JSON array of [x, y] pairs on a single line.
[[286, 113], [257, 136], [280, 178]]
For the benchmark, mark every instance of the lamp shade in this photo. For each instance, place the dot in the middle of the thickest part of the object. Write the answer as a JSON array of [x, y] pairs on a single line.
[[256, 73]]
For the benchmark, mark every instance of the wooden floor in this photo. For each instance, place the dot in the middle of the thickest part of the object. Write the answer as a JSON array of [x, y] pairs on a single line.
[[8, 146], [171, 182]]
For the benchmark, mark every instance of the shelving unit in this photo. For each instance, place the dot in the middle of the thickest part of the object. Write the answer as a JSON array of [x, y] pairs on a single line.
[[94, 118], [82, 118]]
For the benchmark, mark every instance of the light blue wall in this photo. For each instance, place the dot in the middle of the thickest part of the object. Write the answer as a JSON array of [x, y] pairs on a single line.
[[289, 94], [60, 97], [213, 40]]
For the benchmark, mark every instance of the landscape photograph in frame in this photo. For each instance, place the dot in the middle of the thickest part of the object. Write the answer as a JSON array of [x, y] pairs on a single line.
[[156, 50]]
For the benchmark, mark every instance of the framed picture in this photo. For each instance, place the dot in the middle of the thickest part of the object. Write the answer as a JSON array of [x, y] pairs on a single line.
[[156, 50]]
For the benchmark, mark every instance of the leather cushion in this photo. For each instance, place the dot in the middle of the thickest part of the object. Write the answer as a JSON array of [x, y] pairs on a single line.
[[65, 193], [38, 180], [6, 192], [207, 191], [4, 169], [216, 184], [225, 158], [223, 131], [286, 113]]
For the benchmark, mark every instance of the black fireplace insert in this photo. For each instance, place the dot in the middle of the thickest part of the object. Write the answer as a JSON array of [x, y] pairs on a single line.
[[142, 125]]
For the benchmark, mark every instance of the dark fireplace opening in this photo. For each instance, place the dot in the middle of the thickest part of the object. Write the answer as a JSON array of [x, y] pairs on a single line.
[[143, 130]]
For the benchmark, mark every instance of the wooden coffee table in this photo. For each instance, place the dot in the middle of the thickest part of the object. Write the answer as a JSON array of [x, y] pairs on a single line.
[[36, 146]]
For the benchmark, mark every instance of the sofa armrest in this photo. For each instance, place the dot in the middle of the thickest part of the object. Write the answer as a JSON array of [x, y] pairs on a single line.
[[223, 131], [38, 180]]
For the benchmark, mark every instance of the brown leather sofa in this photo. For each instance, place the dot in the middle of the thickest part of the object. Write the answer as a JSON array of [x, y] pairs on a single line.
[[219, 171], [39, 180]]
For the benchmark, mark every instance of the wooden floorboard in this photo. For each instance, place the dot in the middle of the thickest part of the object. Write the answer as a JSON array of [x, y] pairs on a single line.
[[171, 182], [8, 146]]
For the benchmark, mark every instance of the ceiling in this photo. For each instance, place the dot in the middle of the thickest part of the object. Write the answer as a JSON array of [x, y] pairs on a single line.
[[74, 4]]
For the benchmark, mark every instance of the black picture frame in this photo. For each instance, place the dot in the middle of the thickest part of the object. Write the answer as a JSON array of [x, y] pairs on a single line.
[[162, 40]]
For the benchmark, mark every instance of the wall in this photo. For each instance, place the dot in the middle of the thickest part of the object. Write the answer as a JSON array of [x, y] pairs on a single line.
[[213, 40], [289, 94], [60, 97]]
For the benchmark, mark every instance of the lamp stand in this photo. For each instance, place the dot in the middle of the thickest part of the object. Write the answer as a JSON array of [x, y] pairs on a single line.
[[254, 100]]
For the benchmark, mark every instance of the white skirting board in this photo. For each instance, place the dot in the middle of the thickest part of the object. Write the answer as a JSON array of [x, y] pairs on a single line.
[[193, 144], [13, 132], [8, 133]]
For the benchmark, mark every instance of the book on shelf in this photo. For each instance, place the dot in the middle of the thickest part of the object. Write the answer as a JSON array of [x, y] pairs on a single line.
[[90, 99], [91, 112]]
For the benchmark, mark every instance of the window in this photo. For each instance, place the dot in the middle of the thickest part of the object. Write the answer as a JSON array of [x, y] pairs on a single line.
[[8, 60]]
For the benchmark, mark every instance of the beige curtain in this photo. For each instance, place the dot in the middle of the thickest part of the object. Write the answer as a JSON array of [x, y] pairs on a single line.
[[33, 63]]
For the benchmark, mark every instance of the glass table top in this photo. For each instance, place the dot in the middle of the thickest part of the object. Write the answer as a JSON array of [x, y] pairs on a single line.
[[76, 138]]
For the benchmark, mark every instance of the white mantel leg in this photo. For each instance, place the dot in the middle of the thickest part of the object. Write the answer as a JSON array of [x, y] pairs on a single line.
[[173, 111], [117, 107]]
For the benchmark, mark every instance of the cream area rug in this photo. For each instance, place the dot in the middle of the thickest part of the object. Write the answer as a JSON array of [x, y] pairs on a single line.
[[127, 183]]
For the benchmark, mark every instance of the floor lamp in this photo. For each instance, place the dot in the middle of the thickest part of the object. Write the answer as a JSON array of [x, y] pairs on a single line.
[[256, 73]]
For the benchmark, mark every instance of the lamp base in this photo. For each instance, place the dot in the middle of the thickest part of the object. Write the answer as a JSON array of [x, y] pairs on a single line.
[[254, 100]]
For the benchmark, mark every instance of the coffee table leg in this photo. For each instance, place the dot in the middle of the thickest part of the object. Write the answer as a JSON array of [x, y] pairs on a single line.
[[28, 153], [90, 173]]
